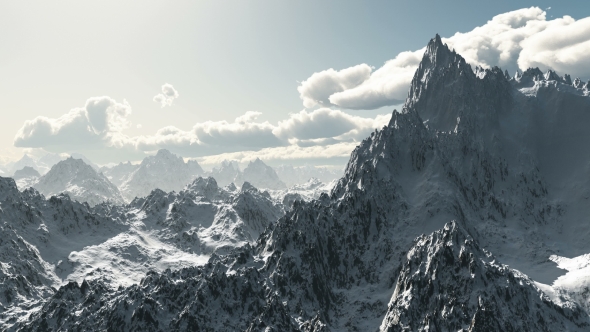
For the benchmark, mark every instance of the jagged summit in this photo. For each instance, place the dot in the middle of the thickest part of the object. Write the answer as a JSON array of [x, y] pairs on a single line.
[[443, 88], [449, 283], [26, 172], [80, 181], [165, 171], [26, 177], [262, 176]]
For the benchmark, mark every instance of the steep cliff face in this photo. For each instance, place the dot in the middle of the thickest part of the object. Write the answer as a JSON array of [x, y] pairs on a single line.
[[477, 147]]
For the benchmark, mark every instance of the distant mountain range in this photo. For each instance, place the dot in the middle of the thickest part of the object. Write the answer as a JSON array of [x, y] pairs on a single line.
[[165, 171]]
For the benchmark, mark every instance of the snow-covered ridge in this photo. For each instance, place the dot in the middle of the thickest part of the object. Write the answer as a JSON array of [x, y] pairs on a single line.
[[80, 181]]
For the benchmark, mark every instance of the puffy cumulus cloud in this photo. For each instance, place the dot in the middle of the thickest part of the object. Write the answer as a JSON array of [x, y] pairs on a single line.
[[97, 129], [388, 85], [318, 88], [166, 98], [245, 132], [564, 47], [324, 125], [514, 40], [92, 125]]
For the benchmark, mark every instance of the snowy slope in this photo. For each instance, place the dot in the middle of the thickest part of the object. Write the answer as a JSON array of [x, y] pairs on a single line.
[[292, 175], [308, 191], [47, 243], [26, 177], [164, 171], [37, 236], [80, 181], [449, 283]]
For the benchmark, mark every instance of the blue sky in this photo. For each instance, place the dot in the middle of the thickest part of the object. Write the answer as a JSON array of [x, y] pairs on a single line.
[[224, 59]]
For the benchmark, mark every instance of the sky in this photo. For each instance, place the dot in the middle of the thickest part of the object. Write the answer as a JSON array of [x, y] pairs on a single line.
[[290, 82]]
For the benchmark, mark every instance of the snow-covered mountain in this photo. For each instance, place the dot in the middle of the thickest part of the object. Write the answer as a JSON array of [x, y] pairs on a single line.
[[36, 237], [262, 176], [80, 181], [26, 177], [25, 161], [164, 171], [47, 243], [257, 173], [119, 173], [449, 283], [228, 172], [293, 176], [493, 168], [42, 164], [308, 191]]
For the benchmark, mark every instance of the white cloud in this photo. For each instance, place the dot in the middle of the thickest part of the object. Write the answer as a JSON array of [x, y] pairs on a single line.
[[324, 123], [99, 127], [318, 88], [92, 125], [514, 40], [166, 98], [388, 85], [245, 132]]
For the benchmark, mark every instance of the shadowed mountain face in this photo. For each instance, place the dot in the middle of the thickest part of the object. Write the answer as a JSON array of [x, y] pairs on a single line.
[[500, 157]]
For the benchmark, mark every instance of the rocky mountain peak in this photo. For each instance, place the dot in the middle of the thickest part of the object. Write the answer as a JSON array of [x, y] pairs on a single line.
[[26, 172], [80, 181], [204, 186], [262, 176], [450, 283]]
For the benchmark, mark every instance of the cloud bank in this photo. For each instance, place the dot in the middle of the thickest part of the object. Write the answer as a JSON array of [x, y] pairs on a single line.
[[94, 125], [100, 125], [166, 98], [513, 41]]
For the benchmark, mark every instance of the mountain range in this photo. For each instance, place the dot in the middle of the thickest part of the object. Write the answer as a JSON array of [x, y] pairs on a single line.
[[453, 217]]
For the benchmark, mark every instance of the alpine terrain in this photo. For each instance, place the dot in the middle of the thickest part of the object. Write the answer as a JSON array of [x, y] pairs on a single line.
[[453, 217]]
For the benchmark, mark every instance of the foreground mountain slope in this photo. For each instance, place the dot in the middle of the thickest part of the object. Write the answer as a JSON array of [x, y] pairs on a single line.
[[465, 147], [80, 181], [46, 243], [449, 283], [37, 236]]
